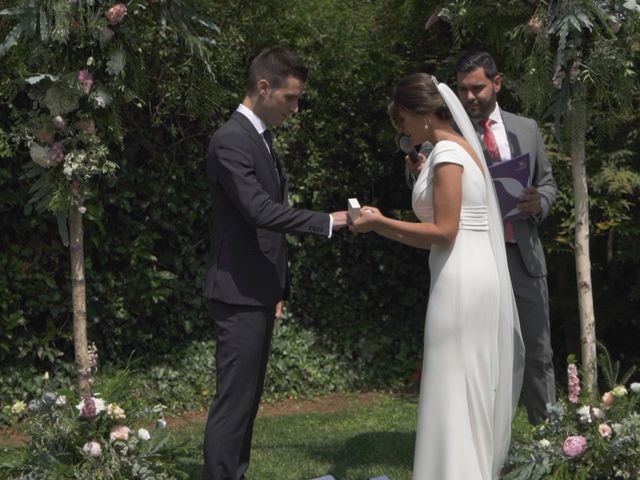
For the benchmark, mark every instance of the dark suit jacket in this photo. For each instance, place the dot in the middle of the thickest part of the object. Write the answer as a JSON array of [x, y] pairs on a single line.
[[524, 136], [248, 264]]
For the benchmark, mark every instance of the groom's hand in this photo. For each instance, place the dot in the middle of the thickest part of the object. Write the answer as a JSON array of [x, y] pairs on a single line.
[[530, 201], [340, 220]]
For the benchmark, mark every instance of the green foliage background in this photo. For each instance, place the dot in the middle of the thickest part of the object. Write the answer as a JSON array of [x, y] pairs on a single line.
[[355, 319]]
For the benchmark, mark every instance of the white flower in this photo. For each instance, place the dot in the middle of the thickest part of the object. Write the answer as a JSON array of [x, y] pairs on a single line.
[[93, 449], [98, 402], [161, 423], [616, 427], [619, 391], [45, 376], [143, 434], [40, 155], [584, 413], [61, 401], [120, 433], [635, 387], [597, 413], [115, 411], [19, 407], [544, 443]]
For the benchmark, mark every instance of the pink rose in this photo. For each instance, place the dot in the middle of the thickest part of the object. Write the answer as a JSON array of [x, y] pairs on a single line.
[[44, 136], [534, 24], [116, 13], [120, 433], [608, 399], [574, 446], [86, 79], [605, 430]]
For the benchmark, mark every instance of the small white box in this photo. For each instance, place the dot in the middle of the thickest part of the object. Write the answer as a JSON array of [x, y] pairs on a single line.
[[354, 208]]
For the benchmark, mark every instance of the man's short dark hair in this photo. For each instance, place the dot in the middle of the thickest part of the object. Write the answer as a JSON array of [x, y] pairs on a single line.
[[275, 65], [479, 59]]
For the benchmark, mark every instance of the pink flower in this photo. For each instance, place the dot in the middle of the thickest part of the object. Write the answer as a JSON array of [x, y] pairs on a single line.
[[574, 383], [574, 446], [608, 399], [116, 13], [605, 430], [534, 24], [44, 136], [87, 126], [88, 410], [120, 433], [93, 449], [86, 79], [57, 153]]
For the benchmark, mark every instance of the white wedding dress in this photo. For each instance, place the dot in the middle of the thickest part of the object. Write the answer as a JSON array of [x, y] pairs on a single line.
[[460, 375]]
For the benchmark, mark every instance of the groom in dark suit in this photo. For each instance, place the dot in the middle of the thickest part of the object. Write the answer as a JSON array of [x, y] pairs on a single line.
[[504, 136], [248, 276]]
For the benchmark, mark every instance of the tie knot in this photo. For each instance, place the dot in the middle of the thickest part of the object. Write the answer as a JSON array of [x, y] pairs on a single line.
[[486, 123]]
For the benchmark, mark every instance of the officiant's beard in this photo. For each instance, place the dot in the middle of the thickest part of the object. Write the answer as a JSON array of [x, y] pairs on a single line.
[[480, 108]]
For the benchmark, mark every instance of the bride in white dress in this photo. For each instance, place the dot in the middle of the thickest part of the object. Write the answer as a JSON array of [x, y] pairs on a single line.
[[473, 352]]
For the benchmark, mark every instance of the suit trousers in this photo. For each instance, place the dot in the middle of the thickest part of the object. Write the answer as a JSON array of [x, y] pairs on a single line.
[[532, 301], [243, 339]]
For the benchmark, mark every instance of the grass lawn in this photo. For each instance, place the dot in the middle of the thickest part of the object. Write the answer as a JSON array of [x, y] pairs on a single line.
[[356, 443], [363, 436]]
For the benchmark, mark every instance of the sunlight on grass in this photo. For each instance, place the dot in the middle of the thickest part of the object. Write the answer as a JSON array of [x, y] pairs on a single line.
[[354, 444]]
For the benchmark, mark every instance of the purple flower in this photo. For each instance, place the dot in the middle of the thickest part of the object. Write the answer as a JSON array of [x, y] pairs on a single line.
[[86, 79], [574, 383], [574, 446]]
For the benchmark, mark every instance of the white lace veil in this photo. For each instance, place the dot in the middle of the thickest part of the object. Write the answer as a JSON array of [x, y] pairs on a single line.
[[509, 366]]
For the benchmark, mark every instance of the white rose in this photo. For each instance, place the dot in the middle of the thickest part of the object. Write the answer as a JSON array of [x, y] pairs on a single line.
[[93, 449], [544, 443], [598, 413], [584, 413], [143, 434], [61, 401], [40, 155], [635, 387]]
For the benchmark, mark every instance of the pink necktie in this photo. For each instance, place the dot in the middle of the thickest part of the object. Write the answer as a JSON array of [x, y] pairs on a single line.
[[492, 147]]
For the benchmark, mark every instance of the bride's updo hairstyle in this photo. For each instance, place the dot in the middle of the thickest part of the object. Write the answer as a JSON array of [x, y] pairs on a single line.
[[417, 93]]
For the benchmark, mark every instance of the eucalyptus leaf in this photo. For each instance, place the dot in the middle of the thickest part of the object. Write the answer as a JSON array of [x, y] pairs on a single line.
[[38, 78], [10, 40]]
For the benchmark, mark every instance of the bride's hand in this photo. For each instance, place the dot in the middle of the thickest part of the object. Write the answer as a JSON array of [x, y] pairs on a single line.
[[367, 220]]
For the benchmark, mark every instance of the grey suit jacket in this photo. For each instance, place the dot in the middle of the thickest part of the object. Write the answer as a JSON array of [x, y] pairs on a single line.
[[248, 263], [524, 137]]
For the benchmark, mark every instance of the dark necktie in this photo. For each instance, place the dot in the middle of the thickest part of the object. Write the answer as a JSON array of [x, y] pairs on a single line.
[[489, 140], [269, 138]]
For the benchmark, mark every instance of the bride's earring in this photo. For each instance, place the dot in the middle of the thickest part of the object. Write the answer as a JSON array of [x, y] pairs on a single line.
[[426, 124]]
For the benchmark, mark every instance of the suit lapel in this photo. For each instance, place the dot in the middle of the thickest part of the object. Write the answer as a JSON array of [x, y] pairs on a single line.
[[258, 140]]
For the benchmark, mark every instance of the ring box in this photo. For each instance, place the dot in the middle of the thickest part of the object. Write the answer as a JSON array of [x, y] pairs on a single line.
[[354, 208]]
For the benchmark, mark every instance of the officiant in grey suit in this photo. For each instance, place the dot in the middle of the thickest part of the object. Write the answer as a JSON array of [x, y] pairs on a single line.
[[248, 276], [504, 136]]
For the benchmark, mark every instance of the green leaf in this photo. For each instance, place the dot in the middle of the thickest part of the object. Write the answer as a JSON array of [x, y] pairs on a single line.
[[63, 229], [10, 40]]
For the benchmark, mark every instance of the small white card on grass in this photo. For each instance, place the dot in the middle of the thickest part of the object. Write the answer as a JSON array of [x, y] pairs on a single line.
[[354, 208]]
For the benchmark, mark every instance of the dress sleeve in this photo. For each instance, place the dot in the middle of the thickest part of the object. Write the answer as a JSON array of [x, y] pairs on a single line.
[[448, 152]]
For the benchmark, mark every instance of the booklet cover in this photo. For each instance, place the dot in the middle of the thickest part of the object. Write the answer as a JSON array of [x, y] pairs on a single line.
[[510, 178]]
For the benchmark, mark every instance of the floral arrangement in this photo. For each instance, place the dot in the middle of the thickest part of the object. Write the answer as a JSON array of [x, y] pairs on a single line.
[[584, 438], [93, 438]]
